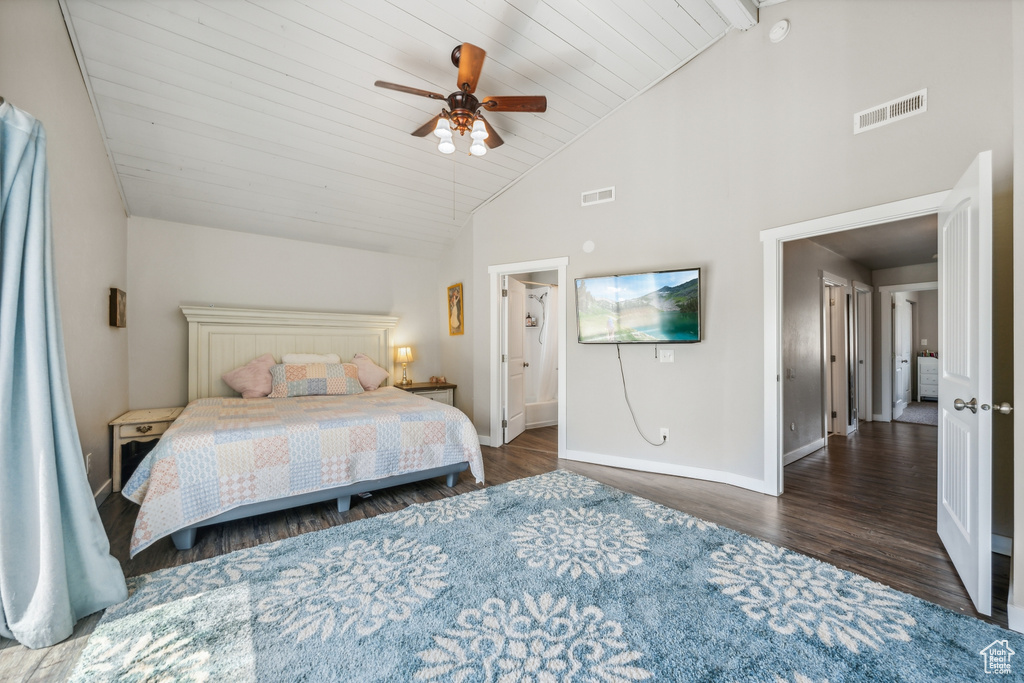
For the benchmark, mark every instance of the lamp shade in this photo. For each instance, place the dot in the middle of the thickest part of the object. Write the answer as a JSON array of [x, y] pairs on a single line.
[[443, 128], [479, 130], [405, 354]]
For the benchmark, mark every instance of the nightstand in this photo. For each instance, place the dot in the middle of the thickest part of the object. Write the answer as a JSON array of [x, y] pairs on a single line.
[[133, 428], [442, 392]]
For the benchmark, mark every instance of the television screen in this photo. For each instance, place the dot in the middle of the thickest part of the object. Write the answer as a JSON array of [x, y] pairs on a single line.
[[652, 308]]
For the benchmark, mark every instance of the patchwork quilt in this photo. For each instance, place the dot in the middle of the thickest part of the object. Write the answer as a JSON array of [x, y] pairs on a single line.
[[225, 452]]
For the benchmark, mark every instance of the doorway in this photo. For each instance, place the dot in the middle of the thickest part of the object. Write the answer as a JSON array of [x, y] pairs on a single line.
[[964, 510], [529, 352], [555, 268]]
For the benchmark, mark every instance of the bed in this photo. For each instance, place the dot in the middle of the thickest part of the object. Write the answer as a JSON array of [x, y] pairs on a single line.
[[228, 458]]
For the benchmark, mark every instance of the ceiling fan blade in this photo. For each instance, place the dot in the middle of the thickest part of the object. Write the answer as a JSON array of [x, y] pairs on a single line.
[[535, 103], [427, 128], [471, 61], [493, 139], [411, 91]]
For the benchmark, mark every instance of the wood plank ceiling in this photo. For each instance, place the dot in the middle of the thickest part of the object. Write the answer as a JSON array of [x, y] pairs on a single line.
[[261, 115]]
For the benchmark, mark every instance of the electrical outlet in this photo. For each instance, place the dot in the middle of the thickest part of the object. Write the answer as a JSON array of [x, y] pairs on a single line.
[[88, 463], [667, 355], [792, 426], [924, 342], [664, 434]]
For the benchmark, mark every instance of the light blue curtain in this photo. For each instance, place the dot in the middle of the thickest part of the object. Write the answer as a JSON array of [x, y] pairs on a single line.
[[55, 563]]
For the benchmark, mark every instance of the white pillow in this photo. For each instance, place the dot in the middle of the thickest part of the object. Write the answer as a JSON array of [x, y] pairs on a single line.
[[303, 358]]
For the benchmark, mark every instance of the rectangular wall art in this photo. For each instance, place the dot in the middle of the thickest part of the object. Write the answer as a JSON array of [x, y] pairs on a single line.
[[456, 321]]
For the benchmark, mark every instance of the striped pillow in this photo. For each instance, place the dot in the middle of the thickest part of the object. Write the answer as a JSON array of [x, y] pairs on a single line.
[[314, 379]]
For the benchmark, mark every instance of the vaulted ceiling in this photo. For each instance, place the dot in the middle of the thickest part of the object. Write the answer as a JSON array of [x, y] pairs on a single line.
[[262, 116]]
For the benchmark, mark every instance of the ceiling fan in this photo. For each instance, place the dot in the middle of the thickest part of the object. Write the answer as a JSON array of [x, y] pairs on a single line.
[[465, 111]]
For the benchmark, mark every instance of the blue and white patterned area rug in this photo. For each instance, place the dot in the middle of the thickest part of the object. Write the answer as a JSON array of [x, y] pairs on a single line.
[[552, 578]]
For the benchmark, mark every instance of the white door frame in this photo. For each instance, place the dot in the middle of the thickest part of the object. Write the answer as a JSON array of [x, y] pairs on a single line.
[[864, 341], [495, 274], [772, 242], [829, 323], [885, 354]]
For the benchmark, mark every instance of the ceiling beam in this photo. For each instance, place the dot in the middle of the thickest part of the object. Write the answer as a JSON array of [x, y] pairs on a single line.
[[742, 14]]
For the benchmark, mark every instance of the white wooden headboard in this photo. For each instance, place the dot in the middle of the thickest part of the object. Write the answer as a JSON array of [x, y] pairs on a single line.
[[222, 339]]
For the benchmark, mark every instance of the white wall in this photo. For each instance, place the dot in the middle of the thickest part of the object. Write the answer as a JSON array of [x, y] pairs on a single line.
[[457, 350], [802, 405], [927, 322], [748, 136], [171, 264], [39, 74]]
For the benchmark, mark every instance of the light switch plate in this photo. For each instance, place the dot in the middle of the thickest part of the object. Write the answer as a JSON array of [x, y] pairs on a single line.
[[667, 355]]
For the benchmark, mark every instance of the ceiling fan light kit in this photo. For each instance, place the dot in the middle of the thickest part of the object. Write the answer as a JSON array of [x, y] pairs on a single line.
[[465, 109]]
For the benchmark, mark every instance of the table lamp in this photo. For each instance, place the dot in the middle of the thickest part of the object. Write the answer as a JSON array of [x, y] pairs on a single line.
[[405, 357]]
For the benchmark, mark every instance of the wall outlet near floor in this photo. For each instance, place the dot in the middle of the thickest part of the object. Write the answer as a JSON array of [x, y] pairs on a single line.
[[664, 434], [88, 463], [667, 355]]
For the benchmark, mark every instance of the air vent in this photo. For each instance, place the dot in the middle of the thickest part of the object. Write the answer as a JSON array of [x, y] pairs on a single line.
[[591, 197], [883, 114]]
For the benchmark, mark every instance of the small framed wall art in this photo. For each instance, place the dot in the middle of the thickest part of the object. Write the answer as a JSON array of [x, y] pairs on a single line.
[[456, 319], [118, 308]]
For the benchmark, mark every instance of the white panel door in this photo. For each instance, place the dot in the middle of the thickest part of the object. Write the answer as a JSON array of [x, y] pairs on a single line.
[[902, 328], [515, 330], [965, 380]]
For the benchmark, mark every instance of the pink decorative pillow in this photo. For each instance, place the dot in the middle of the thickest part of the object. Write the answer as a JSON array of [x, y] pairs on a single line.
[[370, 374], [252, 380]]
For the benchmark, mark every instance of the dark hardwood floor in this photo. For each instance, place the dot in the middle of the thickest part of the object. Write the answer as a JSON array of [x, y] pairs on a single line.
[[865, 504]]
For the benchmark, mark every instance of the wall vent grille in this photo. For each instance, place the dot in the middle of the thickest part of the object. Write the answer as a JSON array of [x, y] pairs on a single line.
[[884, 114], [591, 197]]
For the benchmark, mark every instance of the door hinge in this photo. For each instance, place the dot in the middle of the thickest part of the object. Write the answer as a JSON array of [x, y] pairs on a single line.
[[504, 292], [833, 358], [834, 416], [504, 358], [504, 424]]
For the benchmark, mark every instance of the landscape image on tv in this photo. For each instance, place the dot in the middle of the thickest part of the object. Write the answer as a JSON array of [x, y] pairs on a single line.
[[646, 307]]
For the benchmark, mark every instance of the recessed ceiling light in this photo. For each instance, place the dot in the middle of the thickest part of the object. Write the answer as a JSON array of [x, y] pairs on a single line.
[[779, 31]]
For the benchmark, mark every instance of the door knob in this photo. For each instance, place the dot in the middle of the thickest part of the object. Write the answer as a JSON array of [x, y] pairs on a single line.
[[1004, 407], [971, 405], [525, 364]]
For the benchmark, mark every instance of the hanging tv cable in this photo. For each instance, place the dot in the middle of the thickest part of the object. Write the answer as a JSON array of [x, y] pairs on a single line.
[[625, 393]]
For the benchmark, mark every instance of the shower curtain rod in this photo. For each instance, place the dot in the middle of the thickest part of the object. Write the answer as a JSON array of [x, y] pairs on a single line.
[[542, 284]]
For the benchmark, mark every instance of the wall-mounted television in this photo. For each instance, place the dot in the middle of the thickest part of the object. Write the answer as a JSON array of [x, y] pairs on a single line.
[[642, 308]]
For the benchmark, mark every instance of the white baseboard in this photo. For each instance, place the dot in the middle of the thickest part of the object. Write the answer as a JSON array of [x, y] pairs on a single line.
[[877, 417], [667, 468], [485, 440], [1002, 545], [545, 423], [100, 494], [803, 451]]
